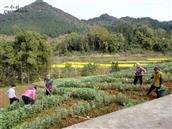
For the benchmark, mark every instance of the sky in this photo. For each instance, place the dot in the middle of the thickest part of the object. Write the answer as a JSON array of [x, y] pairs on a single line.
[[85, 9]]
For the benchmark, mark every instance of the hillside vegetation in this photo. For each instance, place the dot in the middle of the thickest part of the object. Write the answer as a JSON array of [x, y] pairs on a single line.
[[115, 39], [40, 17], [109, 21], [105, 34], [24, 59]]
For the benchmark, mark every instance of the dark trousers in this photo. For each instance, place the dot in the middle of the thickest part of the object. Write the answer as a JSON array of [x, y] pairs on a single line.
[[152, 88], [27, 100], [138, 78], [13, 99], [48, 92]]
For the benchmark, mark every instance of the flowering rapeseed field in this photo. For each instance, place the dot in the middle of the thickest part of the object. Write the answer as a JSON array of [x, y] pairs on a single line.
[[122, 64]]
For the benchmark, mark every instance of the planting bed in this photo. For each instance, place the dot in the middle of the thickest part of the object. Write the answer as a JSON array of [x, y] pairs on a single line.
[[78, 99]]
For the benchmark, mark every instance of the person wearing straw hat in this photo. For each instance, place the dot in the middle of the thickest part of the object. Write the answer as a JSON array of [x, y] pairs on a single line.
[[140, 71], [48, 84]]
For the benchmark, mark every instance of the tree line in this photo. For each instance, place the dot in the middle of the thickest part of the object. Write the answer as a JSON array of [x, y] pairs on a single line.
[[112, 40]]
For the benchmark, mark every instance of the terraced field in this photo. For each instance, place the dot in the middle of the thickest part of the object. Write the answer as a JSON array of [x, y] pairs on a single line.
[[77, 99]]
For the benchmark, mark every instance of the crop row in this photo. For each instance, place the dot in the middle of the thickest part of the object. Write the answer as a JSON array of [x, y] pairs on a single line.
[[101, 86], [40, 97], [75, 110], [123, 76], [87, 88], [20, 104], [78, 83], [12, 118]]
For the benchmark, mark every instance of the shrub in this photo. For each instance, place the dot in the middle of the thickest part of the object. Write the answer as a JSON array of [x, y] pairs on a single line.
[[89, 69], [114, 67]]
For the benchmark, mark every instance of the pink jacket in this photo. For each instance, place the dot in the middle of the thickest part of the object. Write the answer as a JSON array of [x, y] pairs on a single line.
[[31, 93]]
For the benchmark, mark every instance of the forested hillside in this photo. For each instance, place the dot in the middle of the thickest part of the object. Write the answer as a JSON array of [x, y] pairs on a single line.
[[105, 34], [117, 38], [107, 20], [40, 17], [104, 19], [112, 35]]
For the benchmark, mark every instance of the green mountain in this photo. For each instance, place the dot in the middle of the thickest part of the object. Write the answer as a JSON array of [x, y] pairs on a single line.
[[104, 19], [40, 17], [45, 19], [167, 25], [107, 20]]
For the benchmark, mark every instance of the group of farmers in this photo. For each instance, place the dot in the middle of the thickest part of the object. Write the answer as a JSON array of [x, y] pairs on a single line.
[[29, 96], [157, 78]]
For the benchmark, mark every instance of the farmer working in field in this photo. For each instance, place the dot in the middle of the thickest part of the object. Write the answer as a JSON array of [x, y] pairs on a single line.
[[48, 84], [157, 81], [11, 94], [29, 96], [140, 71]]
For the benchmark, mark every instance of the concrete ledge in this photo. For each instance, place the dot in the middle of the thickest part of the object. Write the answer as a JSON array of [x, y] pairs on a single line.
[[155, 114]]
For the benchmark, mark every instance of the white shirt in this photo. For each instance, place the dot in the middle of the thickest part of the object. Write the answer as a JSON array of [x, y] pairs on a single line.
[[11, 93]]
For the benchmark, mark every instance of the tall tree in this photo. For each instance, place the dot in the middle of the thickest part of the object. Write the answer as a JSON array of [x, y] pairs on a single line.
[[27, 57]]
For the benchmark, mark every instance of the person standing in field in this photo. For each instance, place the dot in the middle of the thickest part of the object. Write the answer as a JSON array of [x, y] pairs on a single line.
[[29, 96], [140, 71], [157, 81], [48, 84], [12, 95]]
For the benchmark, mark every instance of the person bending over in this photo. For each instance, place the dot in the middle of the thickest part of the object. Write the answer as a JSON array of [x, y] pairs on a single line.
[[29, 96], [157, 81]]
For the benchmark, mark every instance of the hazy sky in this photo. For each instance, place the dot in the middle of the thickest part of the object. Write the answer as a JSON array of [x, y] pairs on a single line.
[[85, 9]]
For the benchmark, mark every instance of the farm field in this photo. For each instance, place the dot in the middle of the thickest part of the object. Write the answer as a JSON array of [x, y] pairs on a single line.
[[77, 99], [90, 62], [122, 63]]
